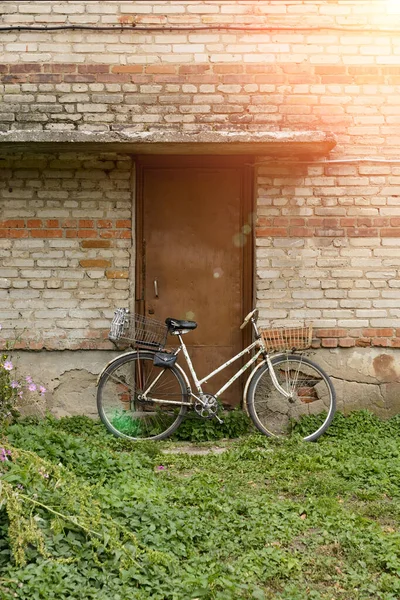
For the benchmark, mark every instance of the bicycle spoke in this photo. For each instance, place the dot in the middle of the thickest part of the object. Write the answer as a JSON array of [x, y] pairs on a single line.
[[122, 406], [311, 401]]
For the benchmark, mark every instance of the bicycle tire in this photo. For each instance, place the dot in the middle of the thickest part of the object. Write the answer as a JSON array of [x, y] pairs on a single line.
[[122, 410], [311, 408]]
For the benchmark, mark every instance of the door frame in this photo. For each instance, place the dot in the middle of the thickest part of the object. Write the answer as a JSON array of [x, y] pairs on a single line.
[[247, 208]]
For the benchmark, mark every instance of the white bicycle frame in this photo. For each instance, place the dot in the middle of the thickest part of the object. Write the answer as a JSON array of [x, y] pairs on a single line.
[[198, 382]]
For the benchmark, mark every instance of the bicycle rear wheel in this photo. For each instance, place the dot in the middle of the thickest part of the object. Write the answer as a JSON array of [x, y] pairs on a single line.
[[310, 407], [125, 413]]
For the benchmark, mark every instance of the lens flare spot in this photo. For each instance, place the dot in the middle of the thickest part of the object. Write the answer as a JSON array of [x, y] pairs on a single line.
[[246, 229], [218, 273], [239, 240]]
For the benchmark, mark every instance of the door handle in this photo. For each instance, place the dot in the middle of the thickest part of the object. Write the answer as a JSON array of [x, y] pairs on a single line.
[[156, 288]]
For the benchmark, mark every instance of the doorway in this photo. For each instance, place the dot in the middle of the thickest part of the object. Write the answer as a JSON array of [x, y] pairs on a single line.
[[195, 254]]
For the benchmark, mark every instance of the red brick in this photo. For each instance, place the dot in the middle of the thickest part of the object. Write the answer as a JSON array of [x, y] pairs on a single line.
[[194, 69], [329, 343], [94, 263], [25, 68], [113, 78], [347, 343], [69, 223], [330, 333], [14, 233], [363, 342], [300, 232], [86, 223], [124, 224], [228, 68], [364, 222], [104, 224], [383, 342], [271, 232], [12, 223], [34, 223], [393, 232], [343, 79], [381, 222], [52, 223], [158, 69], [59, 68], [86, 233], [79, 78], [93, 69], [384, 332], [280, 221], [46, 78], [96, 244], [46, 233], [20, 78]]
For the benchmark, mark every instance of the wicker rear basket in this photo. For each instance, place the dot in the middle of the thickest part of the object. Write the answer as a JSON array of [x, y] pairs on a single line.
[[287, 338]]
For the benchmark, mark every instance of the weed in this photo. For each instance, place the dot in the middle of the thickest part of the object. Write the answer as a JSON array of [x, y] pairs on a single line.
[[267, 519]]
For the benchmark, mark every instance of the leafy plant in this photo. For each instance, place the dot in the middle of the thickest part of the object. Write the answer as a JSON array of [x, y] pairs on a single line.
[[14, 391], [266, 519], [235, 424]]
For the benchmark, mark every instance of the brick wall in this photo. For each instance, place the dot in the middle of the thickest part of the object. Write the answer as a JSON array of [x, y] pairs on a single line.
[[65, 248], [328, 250], [328, 236]]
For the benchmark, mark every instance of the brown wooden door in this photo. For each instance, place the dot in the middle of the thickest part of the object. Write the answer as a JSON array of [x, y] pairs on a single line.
[[195, 243]]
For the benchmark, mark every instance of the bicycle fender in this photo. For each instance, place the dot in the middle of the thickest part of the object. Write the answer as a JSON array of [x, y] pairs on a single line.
[[246, 387], [254, 371], [182, 372]]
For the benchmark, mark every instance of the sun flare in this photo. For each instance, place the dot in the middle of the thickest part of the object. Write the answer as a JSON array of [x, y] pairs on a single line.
[[393, 7]]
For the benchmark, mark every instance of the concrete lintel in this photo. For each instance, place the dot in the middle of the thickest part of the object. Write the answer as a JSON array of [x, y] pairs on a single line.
[[164, 141]]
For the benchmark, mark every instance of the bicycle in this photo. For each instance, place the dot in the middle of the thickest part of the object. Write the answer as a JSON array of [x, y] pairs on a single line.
[[145, 394]]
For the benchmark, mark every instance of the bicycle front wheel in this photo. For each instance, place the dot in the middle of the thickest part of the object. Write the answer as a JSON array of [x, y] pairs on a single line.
[[311, 404], [120, 400]]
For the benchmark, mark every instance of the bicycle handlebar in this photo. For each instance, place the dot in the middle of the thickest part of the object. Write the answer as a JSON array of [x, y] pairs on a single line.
[[253, 314]]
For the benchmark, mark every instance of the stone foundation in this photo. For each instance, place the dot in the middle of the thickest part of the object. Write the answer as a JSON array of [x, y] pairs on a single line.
[[364, 378]]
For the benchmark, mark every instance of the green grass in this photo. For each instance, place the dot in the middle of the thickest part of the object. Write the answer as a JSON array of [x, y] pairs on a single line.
[[267, 519]]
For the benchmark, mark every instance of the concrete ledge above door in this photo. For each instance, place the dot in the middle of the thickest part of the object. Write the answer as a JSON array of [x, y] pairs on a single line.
[[266, 143]]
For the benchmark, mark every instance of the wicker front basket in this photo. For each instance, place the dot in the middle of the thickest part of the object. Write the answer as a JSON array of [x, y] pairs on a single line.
[[287, 338]]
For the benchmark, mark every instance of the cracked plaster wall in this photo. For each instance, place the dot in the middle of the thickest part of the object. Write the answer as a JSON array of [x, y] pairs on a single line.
[[69, 377], [364, 378]]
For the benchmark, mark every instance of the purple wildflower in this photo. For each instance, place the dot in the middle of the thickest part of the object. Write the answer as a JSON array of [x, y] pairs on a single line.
[[32, 387], [42, 390], [8, 366], [14, 384], [4, 454], [160, 468], [28, 379]]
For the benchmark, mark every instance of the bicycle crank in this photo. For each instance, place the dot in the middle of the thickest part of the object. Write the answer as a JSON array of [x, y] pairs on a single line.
[[207, 407]]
